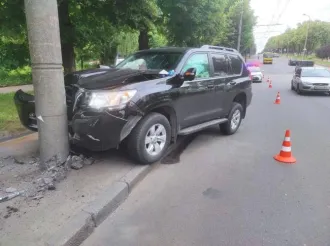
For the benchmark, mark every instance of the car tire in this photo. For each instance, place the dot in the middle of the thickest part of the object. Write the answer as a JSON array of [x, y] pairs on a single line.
[[137, 146], [227, 127]]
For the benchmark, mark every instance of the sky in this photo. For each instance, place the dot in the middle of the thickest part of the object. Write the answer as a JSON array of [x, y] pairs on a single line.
[[288, 13]]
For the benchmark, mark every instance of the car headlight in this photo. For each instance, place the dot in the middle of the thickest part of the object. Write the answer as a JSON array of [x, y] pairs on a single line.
[[306, 83], [110, 99]]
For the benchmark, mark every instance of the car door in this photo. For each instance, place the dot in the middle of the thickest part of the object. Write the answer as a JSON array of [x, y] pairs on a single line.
[[234, 80], [219, 69], [195, 104]]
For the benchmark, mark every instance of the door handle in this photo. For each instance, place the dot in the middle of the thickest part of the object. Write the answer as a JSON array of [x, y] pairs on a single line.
[[232, 83], [210, 85]]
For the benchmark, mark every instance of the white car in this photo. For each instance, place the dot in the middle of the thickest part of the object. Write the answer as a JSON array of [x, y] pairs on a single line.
[[256, 74]]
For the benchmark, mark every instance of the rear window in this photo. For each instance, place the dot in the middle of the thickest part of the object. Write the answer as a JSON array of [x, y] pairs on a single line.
[[267, 55], [221, 65], [236, 64], [254, 69]]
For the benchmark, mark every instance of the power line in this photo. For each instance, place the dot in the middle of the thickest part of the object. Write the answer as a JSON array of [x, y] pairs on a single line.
[[271, 21], [282, 12], [286, 5]]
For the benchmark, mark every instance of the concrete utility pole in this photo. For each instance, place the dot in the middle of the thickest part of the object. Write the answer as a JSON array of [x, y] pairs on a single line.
[[305, 46], [46, 59], [240, 26]]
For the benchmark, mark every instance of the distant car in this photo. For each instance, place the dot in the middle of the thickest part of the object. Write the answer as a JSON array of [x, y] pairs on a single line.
[[256, 74], [276, 55], [311, 79], [267, 58], [292, 62]]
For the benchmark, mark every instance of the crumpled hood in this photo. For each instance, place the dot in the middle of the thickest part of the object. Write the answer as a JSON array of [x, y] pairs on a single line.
[[315, 80], [109, 78]]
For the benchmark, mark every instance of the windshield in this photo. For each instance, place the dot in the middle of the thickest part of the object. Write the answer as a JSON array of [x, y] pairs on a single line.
[[152, 61], [254, 69], [315, 73]]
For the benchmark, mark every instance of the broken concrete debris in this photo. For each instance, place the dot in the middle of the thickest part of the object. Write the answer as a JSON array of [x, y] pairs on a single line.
[[11, 190], [55, 172], [10, 196], [77, 162]]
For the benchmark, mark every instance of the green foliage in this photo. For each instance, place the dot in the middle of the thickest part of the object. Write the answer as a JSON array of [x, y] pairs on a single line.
[[9, 121], [18, 76], [323, 52], [294, 39], [97, 30]]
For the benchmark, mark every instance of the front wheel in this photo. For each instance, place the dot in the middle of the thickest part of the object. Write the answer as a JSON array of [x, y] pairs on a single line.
[[234, 120], [149, 140]]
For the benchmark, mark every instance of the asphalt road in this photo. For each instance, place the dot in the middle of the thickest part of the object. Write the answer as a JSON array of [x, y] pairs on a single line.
[[230, 191]]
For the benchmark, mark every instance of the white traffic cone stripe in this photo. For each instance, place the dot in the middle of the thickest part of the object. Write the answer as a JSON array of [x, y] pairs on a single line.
[[288, 139], [286, 149]]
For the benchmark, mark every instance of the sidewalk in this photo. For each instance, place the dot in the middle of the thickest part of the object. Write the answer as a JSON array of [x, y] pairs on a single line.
[[31, 221], [9, 89]]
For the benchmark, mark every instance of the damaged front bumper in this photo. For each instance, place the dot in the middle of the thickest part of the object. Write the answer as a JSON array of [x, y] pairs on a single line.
[[96, 130]]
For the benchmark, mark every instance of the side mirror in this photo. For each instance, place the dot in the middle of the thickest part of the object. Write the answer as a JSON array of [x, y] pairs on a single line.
[[190, 74]]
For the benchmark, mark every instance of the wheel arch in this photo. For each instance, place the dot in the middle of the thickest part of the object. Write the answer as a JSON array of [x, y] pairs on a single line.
[[170, 113], [241, 98]]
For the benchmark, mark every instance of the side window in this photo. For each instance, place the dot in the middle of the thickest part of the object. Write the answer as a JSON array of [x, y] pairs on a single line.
[[236, 64], [201, 63], [221, 65]]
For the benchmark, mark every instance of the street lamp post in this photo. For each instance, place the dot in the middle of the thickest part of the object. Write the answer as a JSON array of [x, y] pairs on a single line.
[[240, 26], [305, 46]]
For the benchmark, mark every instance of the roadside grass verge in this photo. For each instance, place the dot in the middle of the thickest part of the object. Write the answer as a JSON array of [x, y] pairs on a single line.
[[9, 120]]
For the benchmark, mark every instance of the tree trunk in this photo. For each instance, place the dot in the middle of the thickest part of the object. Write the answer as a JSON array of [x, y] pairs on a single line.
[[68, 57], [67, 37], [143, 40], [108, 55]]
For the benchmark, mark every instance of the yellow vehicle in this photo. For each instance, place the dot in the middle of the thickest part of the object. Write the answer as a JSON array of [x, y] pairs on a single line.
[[267, 58]]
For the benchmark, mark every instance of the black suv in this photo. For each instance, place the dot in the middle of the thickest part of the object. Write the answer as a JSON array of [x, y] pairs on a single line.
[[150, 98]]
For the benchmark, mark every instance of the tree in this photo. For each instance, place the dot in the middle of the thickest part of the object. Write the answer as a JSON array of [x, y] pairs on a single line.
[[294, 39]]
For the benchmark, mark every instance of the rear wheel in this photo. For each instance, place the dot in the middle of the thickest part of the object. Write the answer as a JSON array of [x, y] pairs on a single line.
[[292, 87], [149, 139], [234, 120]]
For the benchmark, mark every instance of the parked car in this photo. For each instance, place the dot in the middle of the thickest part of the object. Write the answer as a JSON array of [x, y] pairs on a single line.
[[256, 74], [292, 62], [152, 97], [311, 79]]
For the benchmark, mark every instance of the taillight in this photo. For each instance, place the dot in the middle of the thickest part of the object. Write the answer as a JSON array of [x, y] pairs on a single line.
[[250, 76]]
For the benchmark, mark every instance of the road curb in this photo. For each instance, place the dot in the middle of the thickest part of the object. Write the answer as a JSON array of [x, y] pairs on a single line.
[[15, 136], [82, 225]]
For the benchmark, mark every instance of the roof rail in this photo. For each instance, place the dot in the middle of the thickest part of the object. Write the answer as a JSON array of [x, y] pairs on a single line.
[[218, 48]]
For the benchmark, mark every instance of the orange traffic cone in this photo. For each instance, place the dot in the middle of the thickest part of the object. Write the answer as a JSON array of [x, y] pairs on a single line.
[[270, 84], [278, 98], [285, 155]]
